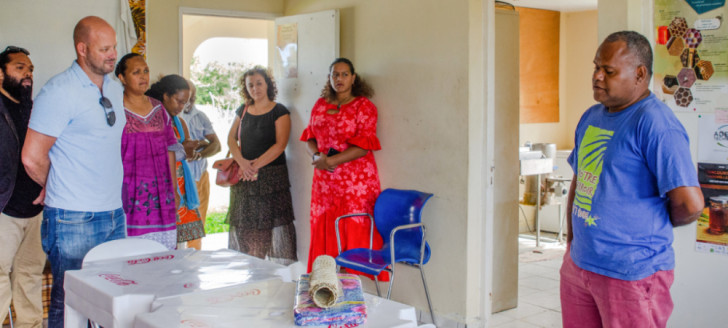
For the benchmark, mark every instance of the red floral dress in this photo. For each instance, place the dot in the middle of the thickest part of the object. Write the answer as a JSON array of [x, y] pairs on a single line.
[[353, 187]]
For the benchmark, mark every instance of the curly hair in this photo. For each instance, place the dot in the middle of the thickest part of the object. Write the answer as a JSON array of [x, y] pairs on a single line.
[[267, 76], [168, 85], [359, 88]]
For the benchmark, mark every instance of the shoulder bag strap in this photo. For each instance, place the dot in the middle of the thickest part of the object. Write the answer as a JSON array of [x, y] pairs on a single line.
[[240, 127]]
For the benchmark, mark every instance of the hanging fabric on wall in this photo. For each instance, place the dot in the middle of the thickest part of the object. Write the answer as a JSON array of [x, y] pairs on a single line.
[[135, 25]]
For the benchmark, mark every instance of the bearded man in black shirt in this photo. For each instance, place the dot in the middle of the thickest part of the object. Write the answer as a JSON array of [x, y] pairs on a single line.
[[21, 255]]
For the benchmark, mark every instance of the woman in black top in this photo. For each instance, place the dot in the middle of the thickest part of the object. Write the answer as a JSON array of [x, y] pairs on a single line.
[[261, 212]]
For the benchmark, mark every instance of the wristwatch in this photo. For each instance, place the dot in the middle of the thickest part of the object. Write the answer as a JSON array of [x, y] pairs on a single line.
[[315, 156]]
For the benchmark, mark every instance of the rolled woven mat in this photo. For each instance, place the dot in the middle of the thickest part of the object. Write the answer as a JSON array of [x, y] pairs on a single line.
[[325, 285]]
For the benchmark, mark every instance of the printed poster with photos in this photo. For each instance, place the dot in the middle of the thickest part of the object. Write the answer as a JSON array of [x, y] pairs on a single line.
[[691, 54]]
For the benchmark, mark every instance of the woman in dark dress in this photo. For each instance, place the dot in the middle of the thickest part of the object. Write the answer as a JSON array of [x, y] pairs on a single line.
[[261, 212]]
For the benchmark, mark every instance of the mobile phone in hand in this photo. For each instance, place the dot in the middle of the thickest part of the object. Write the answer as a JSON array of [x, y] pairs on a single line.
[[332, 152]]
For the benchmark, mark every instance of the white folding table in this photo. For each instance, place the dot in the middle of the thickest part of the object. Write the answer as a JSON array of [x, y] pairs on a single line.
[[113, 292], [188, 288]]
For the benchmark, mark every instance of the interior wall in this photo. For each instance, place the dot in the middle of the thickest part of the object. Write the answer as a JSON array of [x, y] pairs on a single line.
[[196, 29], [578, 44], [45, 29], [580, 34], [163, 26], [417, 63]]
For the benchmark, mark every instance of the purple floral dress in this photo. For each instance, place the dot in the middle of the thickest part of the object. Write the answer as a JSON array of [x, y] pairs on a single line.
[[148, 194]]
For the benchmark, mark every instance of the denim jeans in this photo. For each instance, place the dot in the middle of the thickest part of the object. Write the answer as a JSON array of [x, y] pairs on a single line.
[[67, 237]]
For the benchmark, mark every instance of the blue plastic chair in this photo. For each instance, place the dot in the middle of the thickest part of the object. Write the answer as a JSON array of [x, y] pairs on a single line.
[[397, 214]]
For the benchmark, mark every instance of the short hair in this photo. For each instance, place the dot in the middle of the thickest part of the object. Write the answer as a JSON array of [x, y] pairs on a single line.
[[168, 85], [5, 55], [121, 66], [637, 45], [267, 76], [359, 88]]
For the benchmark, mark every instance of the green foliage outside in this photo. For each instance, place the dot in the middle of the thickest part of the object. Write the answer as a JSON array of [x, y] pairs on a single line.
[[218, 84], [215, 223]]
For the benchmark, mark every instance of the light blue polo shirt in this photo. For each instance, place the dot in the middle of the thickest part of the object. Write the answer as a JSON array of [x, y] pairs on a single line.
[[86, 171]]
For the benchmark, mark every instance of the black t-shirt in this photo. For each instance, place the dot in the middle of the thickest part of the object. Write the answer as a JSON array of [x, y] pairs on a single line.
[[26, 190], [258, 133]]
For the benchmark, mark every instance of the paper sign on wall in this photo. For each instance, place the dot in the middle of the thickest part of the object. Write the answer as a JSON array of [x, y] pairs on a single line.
[[287, 46]]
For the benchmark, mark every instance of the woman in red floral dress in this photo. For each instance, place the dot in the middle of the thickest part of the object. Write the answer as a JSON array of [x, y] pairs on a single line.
[[341, 137]]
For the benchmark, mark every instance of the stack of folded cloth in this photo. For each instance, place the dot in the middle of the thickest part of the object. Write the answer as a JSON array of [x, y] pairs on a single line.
[[327, 298]]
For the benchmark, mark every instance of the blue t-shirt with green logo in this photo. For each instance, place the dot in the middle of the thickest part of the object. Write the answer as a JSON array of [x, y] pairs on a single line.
[[625, 164]]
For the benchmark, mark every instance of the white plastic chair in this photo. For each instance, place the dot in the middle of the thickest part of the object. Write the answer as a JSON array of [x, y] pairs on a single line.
[[122, 248]]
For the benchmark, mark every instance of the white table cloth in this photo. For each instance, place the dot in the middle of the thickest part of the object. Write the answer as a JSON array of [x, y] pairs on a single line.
[[113, 292], [261, 304], [188, 288]]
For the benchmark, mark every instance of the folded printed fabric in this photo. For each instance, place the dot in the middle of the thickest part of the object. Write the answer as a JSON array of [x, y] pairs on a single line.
[[349, 309]]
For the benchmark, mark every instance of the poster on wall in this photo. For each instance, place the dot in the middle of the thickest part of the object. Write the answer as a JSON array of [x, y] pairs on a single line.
[[713, 137], [691, 54], [138, 14], [712, 227], [287, 46]]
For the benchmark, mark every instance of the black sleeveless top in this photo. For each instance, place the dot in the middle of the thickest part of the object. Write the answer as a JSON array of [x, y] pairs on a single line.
[[258, 133]]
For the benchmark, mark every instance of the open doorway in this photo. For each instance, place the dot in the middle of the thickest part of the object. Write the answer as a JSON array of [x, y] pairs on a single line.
[[572, 36], [215, 52]]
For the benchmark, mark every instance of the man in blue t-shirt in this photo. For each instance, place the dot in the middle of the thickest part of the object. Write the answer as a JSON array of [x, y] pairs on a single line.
[[73, 150], [634, 181]]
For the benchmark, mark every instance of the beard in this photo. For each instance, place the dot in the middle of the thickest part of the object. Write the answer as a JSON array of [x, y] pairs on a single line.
[[16, 89]]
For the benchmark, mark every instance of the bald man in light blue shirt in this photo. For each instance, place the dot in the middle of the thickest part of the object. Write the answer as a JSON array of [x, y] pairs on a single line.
[[73, 150]]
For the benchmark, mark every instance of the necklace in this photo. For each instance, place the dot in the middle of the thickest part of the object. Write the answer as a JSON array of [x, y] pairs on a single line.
[[338, 107]]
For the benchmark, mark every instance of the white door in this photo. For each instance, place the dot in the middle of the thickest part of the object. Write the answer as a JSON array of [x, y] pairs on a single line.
[[308, 44]]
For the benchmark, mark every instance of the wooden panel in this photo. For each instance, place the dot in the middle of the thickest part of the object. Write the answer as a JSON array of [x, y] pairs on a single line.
[[539, 65]]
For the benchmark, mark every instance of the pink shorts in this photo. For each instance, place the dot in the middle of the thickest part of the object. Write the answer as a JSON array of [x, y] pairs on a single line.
[[593, 300]]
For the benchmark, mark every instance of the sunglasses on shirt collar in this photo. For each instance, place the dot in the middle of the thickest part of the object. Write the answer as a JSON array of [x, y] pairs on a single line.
[[110, 115]]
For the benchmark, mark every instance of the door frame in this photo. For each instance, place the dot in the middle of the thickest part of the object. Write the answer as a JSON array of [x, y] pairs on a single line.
[[212, 12]]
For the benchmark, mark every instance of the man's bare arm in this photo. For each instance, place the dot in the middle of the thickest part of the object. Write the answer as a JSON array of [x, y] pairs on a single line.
[[35, 155], [686, 204], [213, 147]]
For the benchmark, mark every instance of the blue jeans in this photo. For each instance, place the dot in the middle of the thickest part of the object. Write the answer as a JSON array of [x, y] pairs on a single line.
[[67, 237]]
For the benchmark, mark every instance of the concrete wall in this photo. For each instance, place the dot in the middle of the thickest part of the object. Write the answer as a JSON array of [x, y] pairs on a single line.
[[163, 26], [45, 28], [417, 62]]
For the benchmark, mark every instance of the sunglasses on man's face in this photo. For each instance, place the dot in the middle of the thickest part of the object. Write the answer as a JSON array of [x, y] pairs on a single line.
[[110, 115]]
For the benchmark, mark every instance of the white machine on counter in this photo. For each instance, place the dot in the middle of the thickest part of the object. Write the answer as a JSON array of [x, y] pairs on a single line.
[[547, 181]]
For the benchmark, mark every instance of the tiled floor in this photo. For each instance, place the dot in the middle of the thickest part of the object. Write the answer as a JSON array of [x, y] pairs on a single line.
[[538, 288]]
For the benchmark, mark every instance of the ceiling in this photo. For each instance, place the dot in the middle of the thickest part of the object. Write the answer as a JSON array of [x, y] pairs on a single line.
[[556, 5]]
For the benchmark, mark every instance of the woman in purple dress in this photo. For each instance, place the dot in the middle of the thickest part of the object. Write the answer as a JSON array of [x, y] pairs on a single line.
[[147, 150]]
